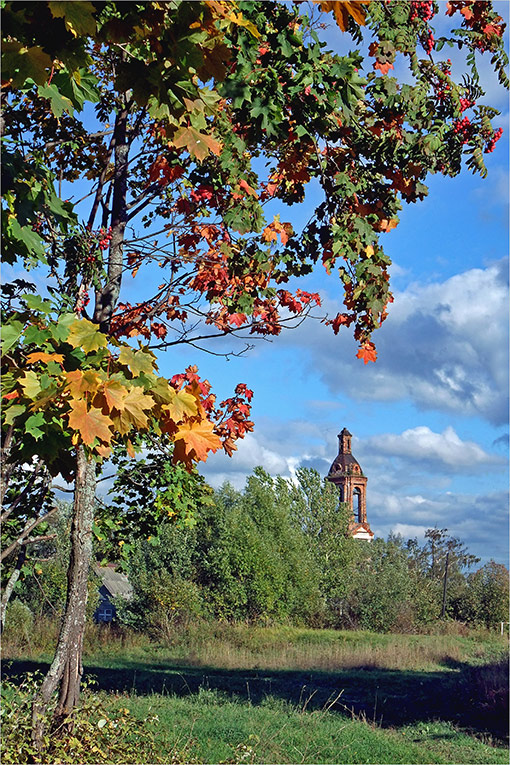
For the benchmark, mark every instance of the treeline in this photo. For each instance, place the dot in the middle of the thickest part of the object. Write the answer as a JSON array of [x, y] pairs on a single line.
[[275, 552]]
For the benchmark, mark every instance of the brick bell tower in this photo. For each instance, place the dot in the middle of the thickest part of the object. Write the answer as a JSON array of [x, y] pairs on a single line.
[[346, 473]]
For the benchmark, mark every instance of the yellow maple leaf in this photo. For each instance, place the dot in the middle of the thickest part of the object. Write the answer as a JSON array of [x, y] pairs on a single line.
[[136, 405], [137, 361], [182, 404], [31, 384], [86, 335]]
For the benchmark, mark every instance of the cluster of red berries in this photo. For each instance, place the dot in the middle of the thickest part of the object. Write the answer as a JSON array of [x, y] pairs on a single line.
[[430, 43], [442, 93], [106, 238], [492, 143], [82, 301], [424, 10], [465, 103], [463, 127]]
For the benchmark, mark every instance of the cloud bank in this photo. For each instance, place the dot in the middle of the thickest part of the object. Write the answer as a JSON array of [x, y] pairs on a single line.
[[443, 347]]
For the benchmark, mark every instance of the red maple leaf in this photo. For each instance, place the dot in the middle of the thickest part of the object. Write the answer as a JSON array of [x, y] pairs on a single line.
[[237, 318], [339, 320], [383, 67]]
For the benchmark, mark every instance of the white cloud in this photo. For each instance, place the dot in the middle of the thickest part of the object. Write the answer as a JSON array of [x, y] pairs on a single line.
[[445, 450], [250, 454], [443, 346], [409, 531]]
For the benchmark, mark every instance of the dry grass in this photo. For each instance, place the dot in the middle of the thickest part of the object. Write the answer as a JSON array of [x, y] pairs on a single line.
[[423, 652], [242, 646]]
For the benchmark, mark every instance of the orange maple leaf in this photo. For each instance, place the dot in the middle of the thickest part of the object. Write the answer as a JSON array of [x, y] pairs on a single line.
[[237, 318], [194, 440], [79, 382], [271, 231], [342, 9], [388, 224], [198, 144], [10, 396], [89, 425], [367, 352], [42, 356], [249, 190], [383, 68], [115, 394]]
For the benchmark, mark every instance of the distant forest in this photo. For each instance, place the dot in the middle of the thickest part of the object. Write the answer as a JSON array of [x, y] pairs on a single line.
[[276, 552]]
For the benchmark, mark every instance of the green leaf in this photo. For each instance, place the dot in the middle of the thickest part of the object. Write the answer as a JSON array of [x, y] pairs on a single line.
[[78, 87], [78, 17], [99, 535], [60, 330], [32, 425], [32, 241], [59, 103], [12, 412], [20, 63], [10, 334], [36, 303]]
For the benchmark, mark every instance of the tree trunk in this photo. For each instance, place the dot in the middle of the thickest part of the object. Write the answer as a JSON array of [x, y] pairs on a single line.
[[66, 667], [9, 587]]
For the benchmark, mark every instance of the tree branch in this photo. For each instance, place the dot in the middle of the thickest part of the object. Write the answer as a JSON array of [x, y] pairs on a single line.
[[40, 538], [107, 297], [20, 539], [24, 493]]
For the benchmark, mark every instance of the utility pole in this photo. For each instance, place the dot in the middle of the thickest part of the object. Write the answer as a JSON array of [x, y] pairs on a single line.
[[443, 610]]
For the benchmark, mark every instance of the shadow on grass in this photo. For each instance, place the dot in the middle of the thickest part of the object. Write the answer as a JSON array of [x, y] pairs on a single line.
[[385, 697]]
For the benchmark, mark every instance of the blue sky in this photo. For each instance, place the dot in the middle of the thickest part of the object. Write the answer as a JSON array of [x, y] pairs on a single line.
[[429, 419]]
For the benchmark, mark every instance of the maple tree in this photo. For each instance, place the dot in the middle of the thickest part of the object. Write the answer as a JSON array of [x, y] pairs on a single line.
[[133, 137]]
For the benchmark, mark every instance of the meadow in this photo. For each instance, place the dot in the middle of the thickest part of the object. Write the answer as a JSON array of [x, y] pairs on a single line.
[[221, 693]]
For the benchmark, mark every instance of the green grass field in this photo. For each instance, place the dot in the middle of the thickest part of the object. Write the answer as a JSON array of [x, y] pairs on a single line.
[[219, 693]]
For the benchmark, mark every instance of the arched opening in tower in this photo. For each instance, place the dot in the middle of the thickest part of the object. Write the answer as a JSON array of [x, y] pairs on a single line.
[[356, 505]]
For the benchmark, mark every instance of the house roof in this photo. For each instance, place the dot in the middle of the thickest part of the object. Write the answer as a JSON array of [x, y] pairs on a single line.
[[115, 582]]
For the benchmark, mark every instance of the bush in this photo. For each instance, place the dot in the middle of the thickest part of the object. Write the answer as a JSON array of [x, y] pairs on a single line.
[[19, 622], [97, 735]]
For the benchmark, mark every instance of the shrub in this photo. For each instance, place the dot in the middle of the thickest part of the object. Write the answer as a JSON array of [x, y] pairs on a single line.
[[97, 736], [19, 618]]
